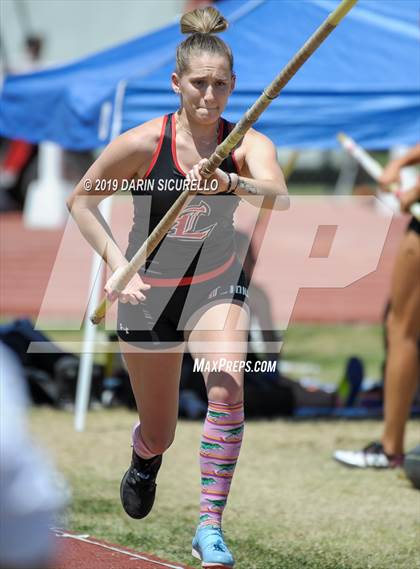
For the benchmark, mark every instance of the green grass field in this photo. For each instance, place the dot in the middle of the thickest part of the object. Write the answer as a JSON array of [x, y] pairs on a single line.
[[291, 505]]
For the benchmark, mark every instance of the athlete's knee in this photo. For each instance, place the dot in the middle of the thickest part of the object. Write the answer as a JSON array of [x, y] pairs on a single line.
[[226, 394], [158, 444]]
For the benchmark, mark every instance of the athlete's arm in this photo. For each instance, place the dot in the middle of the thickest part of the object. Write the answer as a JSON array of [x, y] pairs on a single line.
[[265, 175], [122, 159]]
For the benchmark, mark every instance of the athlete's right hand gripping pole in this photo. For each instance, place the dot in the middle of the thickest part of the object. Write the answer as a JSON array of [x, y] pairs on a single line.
[[223, 150]]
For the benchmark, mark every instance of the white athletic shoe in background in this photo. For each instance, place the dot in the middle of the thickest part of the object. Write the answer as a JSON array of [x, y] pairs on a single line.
[[372, 456]]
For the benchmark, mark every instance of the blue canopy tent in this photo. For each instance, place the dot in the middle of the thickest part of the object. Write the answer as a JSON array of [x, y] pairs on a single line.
[[365, 79]]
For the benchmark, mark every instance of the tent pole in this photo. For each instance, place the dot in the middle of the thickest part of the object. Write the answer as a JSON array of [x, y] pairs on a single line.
[[84, 377]]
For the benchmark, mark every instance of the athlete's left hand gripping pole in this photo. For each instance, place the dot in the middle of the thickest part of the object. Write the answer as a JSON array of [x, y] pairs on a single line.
[[223, 150]]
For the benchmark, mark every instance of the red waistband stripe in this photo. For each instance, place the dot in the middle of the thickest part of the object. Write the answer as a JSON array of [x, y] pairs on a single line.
[[184, 281]]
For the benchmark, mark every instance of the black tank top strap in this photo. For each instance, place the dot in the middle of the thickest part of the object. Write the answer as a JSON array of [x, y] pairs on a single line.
[[162, 146], [163, 163], [166, 147], [225, 129]]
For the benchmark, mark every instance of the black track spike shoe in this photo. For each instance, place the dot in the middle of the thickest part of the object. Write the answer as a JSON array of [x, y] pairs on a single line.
[[138, 486]]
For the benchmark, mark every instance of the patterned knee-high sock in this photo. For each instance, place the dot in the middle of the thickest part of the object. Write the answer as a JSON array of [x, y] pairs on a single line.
[[220, 446]]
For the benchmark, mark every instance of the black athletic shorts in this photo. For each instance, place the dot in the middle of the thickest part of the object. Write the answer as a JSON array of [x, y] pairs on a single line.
[[414, 225], [160, 320]]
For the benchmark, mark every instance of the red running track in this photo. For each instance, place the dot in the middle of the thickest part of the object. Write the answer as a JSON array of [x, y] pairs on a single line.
[[85, 552]]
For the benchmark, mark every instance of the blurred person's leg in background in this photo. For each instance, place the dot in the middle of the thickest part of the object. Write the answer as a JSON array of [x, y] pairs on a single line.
[[402, 368]]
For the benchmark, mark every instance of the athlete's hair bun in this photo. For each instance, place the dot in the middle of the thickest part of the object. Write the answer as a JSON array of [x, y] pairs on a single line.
[[203, 21], [201, 25]]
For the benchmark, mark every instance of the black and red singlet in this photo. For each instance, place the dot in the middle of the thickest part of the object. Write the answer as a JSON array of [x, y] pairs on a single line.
[[200, 243]]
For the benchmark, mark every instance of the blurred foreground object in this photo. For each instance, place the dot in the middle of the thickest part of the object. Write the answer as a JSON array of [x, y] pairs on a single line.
[[31, 491]]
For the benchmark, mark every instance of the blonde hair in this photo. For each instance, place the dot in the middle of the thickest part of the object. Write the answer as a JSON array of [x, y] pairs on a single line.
[[201, 24]]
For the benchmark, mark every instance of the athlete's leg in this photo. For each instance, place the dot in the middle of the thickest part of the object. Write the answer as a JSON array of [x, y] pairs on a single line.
[[155, 381], [224, 329], [154, 378], [224, 326], [403, 324]]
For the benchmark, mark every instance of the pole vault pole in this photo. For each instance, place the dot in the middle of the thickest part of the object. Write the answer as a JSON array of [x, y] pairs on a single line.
[[223, 150]]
